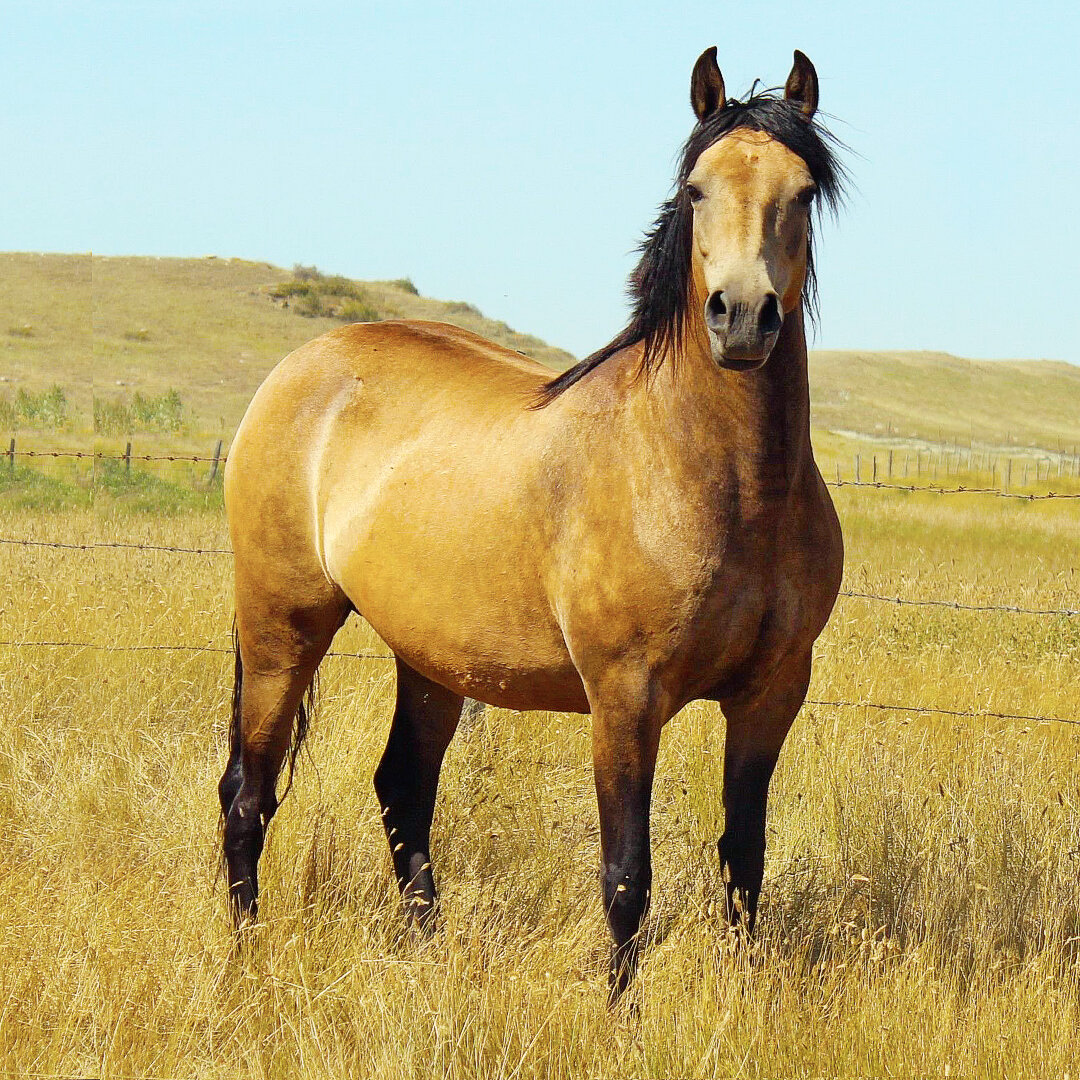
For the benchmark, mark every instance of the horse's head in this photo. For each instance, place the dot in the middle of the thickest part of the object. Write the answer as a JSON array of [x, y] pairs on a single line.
[[751, 195], [732, 253]]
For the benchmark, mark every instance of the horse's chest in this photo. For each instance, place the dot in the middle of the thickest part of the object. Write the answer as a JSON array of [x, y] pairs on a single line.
[[767, 593]]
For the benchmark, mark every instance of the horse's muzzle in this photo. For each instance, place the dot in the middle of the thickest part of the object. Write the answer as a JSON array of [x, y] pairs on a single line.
[[742, 334]]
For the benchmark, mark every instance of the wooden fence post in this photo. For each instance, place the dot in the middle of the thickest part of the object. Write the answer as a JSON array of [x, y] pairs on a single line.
[[890, 464], [217, 458], [858, 470], [11, 455], [127, 459]]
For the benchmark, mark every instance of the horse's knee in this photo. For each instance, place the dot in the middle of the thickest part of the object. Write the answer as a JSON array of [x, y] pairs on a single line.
[[626, 898]]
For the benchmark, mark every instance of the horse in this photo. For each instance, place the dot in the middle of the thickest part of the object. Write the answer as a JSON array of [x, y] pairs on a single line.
[[645, 529]]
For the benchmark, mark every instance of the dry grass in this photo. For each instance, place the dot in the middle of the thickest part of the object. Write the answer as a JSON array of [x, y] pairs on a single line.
[[938, 398], [210, 328], [922, 901]]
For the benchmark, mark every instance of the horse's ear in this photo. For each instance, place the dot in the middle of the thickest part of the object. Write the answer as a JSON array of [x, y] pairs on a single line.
[[706, 85], [801, 87]]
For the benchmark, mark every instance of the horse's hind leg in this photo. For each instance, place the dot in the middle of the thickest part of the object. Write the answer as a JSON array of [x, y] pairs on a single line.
[[407, 779], [279, 652]]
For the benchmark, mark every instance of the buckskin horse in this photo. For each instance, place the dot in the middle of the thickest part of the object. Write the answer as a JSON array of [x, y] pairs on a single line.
[[646, 529]]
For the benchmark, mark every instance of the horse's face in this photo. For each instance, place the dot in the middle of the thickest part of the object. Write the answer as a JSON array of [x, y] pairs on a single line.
[[751, 199]]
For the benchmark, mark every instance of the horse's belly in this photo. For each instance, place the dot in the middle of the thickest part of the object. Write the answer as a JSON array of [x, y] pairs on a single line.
[[459, 611]]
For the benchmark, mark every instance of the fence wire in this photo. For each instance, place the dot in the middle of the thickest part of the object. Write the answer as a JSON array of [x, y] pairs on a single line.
[[898, 601], [853, 594], [117, 544], [956, 605], [925, 710], [99, 647], [93, 455], [933, 489]]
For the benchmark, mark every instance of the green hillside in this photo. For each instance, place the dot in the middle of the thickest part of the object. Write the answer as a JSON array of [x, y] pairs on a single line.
[[124, 332], [110, 328], [938, 398]]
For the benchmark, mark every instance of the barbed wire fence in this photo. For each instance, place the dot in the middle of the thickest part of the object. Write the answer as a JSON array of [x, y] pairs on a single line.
[[898, 601], [218, 459]]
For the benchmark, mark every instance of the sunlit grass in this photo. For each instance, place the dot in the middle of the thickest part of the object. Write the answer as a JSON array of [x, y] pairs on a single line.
[[922, 899]]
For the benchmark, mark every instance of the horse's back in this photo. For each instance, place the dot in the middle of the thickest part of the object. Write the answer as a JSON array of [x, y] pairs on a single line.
[[400, 464]]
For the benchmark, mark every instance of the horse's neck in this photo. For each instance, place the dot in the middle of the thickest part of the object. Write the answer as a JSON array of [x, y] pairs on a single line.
[[750, 429]]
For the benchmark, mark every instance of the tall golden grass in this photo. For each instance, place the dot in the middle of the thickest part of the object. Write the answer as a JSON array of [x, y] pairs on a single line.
[[921, 912]]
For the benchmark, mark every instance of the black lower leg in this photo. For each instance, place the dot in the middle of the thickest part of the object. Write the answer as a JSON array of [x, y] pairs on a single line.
[[407, 801], [742, 846], [245, 830], [624, 758], [229, 785], [406, 783], [627, 887]]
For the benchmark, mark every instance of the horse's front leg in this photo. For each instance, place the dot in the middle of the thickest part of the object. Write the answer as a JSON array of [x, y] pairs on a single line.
[[757, 724], [625, 740]]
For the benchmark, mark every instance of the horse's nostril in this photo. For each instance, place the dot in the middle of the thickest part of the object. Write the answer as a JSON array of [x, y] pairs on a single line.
[[770, 318], [715, 310]]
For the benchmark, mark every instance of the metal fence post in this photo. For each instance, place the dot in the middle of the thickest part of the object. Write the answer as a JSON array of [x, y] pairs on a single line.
[[217, 458]]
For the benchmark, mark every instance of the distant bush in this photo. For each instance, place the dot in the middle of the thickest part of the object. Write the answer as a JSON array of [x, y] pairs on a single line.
[[292, 288], [358, 311], [332, 296], [117, 417], [459, 307], [310, 305], [49, 408], [23, 330], [142, 334], [340, 286], [405, 285]]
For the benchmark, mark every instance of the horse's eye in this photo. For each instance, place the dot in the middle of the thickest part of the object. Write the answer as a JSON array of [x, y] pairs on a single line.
[[806, 197], [694, 193]]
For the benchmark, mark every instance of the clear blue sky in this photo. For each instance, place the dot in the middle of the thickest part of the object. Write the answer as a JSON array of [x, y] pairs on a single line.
[[511, 154]]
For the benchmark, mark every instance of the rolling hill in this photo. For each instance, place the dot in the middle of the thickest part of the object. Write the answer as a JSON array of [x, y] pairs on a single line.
[[210, 328], [110, 328]]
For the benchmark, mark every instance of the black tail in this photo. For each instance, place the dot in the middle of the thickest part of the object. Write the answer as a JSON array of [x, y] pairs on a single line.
[[238, 685]]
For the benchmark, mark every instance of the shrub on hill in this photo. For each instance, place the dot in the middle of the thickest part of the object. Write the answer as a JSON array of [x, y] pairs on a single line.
[[47, 409], [162, 413], [332, 296], [358, 311]]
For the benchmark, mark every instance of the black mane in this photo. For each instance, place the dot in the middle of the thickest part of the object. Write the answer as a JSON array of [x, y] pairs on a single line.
[[659, 286]]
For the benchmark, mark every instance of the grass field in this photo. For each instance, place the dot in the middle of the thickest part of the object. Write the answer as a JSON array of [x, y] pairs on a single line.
[[922, 901], [921, 910]]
